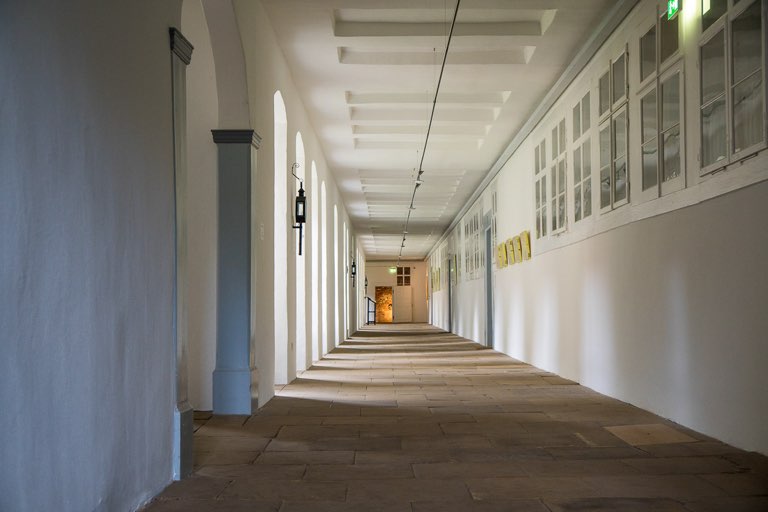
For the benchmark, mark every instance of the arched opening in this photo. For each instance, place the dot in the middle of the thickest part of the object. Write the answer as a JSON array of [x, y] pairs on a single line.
[[323, 270], [280, 291], [347, 277], [300, 293], [336, 309], [314, 229]]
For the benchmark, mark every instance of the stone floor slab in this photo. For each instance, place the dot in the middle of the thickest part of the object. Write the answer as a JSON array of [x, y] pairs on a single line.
[[408, 418]]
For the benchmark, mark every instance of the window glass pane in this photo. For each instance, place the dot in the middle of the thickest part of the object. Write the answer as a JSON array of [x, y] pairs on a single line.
[[554, 143], [587, 198], [538, 224], [648, 53], [620, 180], [538, 195], [543, 155], [670, 102], [554, 214], [605, 146], [748, 112], [669, 36], [577, 203], [561, 212], [619, 79], [713, 145], [672, 154], [605, 187], [620, 134], [577, 165], [713, 68], [711, 11], [585, 113], [605, 95], [747, 47], [562, 137], [543, 205], [561, 177], [536, 160], [577, 121], [650, 165], [586, 158], [648, 110]]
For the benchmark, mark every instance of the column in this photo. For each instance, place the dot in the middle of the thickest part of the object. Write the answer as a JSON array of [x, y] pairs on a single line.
[[181, 56], [234, 373]]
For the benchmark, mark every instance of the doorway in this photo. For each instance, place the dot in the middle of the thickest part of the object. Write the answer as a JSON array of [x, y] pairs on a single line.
[[383, 304]]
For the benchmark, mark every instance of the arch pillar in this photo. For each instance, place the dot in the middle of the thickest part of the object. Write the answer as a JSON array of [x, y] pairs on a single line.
[[235, 378]]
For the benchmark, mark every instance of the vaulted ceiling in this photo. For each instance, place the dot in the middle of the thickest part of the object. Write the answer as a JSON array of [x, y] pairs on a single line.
[[367, 71]]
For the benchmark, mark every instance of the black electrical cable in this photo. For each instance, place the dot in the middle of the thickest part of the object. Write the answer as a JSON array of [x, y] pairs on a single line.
[[431, 117]]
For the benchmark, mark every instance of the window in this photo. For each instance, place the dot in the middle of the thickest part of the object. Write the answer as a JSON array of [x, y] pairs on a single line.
[[494, 209], [660, 107], [474, 251], [582, 160], [403, 276], [612, 92], [540, 188], [732, 89], [557, 178]]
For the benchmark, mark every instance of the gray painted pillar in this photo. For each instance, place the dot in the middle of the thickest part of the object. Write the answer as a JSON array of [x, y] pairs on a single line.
[[234, 373], [181, 56]]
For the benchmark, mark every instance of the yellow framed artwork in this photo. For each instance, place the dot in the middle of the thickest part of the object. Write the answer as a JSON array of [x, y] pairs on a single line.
[[525, 239], [518, 249], [501, 255], [510, 252]]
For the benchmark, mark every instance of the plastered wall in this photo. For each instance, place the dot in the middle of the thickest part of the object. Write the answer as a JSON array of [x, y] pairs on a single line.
[[267, 73], [660, 302], [379, 275], [87, 253]]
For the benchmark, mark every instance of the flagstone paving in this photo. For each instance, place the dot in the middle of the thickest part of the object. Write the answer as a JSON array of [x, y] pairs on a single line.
[[410, 418]]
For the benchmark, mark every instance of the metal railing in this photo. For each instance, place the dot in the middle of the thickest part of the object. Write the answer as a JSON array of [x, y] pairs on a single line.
[[370, 318]]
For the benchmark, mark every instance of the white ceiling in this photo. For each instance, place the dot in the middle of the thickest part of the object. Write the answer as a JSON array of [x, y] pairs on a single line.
[[367, 72]]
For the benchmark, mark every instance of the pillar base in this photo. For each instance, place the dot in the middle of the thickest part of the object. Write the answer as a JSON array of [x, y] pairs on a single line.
[[232, 392], [183, 430]]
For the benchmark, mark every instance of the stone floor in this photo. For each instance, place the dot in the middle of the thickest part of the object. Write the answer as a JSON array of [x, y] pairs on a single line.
[[413, 419]]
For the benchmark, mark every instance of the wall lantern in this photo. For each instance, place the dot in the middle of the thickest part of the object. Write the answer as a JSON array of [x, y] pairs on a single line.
[[354, 272], [300, 211], [366, 285]]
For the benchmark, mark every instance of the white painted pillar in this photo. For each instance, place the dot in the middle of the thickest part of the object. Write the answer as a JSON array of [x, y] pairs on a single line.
[[234, 373]]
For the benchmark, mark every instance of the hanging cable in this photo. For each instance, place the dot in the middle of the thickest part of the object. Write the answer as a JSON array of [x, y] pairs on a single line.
[[429, 125]]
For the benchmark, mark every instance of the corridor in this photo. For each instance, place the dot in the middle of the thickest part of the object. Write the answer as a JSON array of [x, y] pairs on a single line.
[[410, 418]]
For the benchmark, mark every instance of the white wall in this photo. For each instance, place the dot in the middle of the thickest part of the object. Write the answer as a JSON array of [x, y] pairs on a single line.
[[667, 313], [87, 253], [202, 170], [379, 275], [268, 72], [660, 302]]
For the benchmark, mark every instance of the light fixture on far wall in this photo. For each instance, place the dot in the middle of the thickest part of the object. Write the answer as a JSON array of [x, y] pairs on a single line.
[[353, 272]]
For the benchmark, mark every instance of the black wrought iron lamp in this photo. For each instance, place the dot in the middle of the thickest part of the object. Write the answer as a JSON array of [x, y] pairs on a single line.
[[300, 210], [353, 272]]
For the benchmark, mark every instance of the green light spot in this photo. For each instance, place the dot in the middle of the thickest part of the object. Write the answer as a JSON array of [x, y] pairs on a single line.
[[673, 7]]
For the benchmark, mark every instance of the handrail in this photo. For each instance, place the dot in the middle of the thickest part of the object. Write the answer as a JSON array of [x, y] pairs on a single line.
[[370, 318]]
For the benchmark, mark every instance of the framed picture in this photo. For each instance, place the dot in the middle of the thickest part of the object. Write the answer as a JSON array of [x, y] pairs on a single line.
[[518, 249], [525, 240]]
